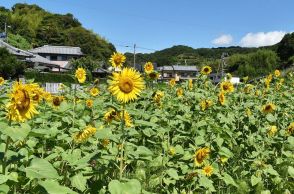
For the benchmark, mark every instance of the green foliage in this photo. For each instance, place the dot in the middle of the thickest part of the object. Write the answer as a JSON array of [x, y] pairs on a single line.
[[285, 48], [40, 27], [253, 64], [10, 67], [49, 77], [88, 63], [19, 42]]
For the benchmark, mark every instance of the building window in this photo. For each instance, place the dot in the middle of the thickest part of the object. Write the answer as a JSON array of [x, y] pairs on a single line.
[[53, 58]]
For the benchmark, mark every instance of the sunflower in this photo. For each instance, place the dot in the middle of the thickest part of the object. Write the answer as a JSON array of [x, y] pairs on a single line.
[[111, 115], [272, 130], [290, 128], [172, 151], [37, 92], [201, 155], [221, 98], [126, 85], [57, 100], [94, 91], [157, 96], [105, 142], [127, 118], [153, 75], [21, 106], [205, 104], [2, 80], [180, 92], [148, 67], [172, 82], [207, 170], [206, 70], [117, 60], [277, 73], [248, 88], [248, 112], [82, 136], [89, 103], [229, 76], [190, 84], [80, 74], [268, 108], [223, 160], [227, 87]]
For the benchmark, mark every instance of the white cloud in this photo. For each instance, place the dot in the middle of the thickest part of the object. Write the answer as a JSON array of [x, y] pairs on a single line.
[[224, 39], [262, 38]]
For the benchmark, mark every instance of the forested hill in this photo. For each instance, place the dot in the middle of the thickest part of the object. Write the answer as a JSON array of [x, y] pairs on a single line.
[[32, 26], [242, 61]]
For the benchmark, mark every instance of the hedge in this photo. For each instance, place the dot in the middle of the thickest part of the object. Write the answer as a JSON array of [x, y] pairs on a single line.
[[43, 77]]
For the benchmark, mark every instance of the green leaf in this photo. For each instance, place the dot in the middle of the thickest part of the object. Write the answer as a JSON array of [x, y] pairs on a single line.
[[271, 118], [206, 183], [173, 173], [229, 180], [291, 171], [17, 132], [142, 150], [41, 168], [133, 186], [79, 181], [53, 187], [3, 178], [145, 123], [4, 188], [255, 180], [226, 152]]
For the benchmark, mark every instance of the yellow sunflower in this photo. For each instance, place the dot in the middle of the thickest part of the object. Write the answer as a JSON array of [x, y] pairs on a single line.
[[206, 70], [157, 96], [126, 85], [207, 170], [205, 104], [268, 108], [117, 60], [172, 82], [190, 84], [277, 73], [37, 92], [105, 142], [290, 128], [272, 130], [110, 115], [85, 134], [200, 155], [56, 101], [172, 151], [94, 91], [153, 75], [21, 106], [248, 88], [148, 67], [127, 118], [227, 87], [80, 74], [221, 98], [89, 103], [2, 80], [180, 92]]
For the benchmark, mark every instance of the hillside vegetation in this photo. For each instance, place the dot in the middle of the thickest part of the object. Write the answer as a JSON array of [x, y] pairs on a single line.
[[32, 26]]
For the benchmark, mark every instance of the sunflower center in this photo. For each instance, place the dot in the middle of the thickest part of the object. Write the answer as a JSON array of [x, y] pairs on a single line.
[[268, 108], [117, 60], [225, 87], [56, 101], [23, 100], [206, 69], [126, 85]]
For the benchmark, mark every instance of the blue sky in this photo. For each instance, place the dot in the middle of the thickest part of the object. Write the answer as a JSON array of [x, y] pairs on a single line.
[[159, 24]]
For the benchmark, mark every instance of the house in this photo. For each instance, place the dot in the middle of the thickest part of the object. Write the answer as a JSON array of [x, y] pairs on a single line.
[[178, 72], [59, 55], [20, 54]]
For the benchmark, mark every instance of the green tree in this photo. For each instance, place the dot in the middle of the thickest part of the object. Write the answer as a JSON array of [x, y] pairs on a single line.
[[286, 47], [10, 67], [19, 42]]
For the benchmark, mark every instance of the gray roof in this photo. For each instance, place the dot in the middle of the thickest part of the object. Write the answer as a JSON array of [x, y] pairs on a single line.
[[177, 68], [15, 51], [42, 60], [65, 50]]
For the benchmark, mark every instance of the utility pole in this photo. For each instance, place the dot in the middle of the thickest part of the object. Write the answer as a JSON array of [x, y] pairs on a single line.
[[134, 55]]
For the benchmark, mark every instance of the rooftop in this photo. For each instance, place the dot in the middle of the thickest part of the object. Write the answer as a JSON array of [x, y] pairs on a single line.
[[65, 50], [15, 51]]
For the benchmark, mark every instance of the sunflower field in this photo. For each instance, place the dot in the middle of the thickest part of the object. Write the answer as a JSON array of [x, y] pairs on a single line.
[[136, 135]]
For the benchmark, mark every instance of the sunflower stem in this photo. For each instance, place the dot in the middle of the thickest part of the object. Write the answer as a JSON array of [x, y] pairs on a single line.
[[121, 166], [4, 157]]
